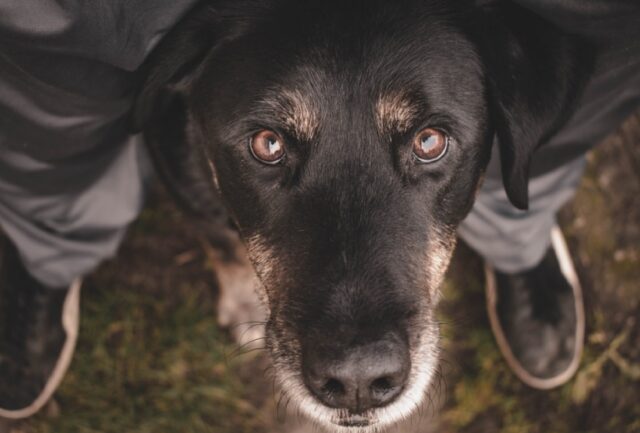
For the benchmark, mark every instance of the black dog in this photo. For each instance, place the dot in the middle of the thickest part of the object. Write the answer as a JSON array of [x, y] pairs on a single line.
[[345, 140]]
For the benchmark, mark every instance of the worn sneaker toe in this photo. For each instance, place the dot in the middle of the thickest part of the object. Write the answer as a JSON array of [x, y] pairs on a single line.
[[537, 317]]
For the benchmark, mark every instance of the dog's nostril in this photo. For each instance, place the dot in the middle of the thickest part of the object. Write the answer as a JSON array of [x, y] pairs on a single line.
[[381, 385], [333, 387]]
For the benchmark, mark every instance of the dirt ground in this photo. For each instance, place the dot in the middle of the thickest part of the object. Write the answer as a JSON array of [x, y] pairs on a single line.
[[152, 360]]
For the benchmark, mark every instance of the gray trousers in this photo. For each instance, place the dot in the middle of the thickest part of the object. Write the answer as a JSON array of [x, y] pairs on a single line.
[[71, 179], [66, 229], [513, 240]]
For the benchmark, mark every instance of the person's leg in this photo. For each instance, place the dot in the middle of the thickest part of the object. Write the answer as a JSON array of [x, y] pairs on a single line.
[[71, 179], [61, 218], [534, 299]]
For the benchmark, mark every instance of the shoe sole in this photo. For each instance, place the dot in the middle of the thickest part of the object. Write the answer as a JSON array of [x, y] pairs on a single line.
[[70, 324], [566, 267]]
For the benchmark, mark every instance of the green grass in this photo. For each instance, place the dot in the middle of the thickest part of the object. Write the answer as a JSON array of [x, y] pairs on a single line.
[[149, 365]]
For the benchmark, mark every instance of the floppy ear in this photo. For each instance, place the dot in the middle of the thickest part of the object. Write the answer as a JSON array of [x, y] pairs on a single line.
[[161, 113], [535, 76]]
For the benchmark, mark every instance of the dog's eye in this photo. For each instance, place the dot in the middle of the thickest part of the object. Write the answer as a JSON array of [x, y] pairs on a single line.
[[267, 147], [429, 145]]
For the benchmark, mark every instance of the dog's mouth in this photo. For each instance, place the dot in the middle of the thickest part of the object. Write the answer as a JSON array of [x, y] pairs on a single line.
[[356, 421]]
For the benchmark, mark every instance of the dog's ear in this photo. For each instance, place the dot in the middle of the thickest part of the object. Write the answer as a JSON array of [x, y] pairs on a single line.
[[161, 112], [535, 75]]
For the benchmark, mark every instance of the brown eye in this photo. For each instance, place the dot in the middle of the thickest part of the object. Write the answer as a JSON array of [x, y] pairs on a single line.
[[430, 145], [267, 147]]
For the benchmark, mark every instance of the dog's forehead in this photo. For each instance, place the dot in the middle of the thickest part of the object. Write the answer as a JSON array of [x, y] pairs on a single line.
[[390, 83], [304, 109], [308, 78]]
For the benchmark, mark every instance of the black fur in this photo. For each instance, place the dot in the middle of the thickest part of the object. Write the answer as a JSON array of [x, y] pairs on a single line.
[[350, 221]]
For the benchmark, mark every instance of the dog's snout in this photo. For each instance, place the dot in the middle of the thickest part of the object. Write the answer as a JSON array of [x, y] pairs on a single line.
[[361, 377]]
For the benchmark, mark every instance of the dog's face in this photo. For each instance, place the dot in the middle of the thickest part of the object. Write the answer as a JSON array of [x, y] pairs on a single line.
[[347, 145], [347, 141]]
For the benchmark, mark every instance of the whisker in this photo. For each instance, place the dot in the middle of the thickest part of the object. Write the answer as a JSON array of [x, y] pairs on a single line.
[[249, 328], [249, 322], [246, 352], [234, 352]]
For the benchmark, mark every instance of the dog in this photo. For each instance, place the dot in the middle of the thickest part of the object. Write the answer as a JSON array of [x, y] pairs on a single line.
[[344, 141]]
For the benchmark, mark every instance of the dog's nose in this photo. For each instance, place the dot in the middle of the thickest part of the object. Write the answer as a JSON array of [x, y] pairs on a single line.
[[363, 377]]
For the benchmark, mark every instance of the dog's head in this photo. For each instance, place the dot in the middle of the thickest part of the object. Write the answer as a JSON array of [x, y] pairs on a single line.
[[347, 141]]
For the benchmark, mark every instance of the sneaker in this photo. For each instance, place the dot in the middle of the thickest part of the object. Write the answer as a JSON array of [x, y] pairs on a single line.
[[537, 317], [38, 339]]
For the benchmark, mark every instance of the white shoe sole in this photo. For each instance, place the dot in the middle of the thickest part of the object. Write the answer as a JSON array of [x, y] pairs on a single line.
[[70, 324], [566, 267]]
